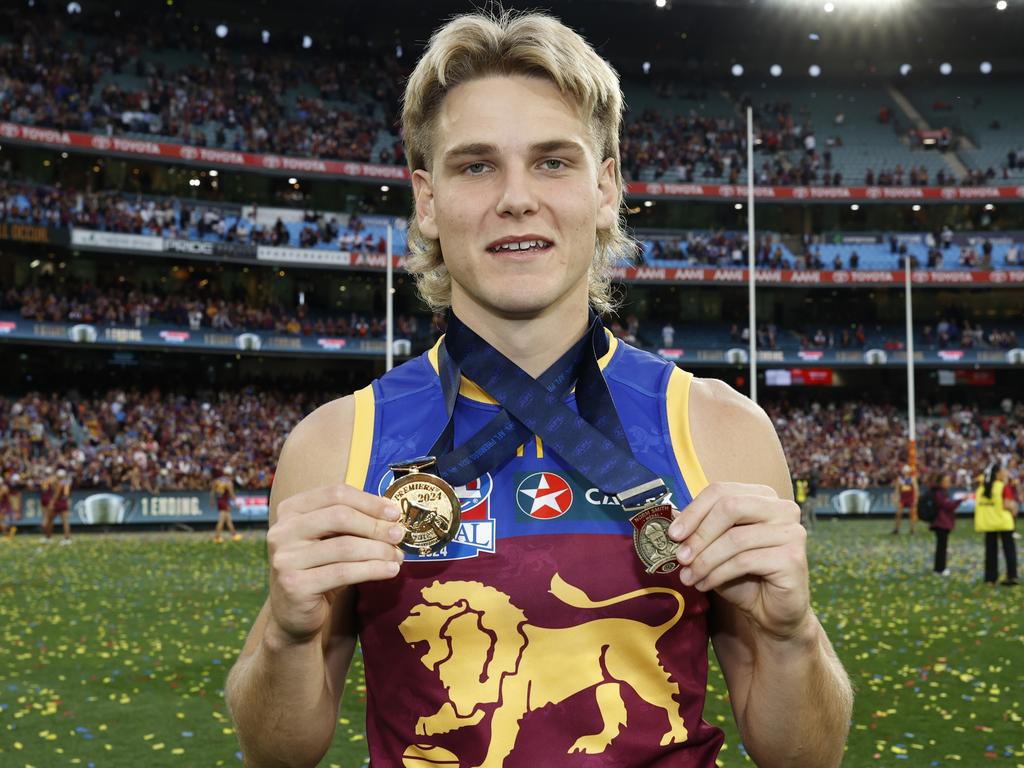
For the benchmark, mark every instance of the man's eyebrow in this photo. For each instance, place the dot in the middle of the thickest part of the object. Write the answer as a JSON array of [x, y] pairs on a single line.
[[476, 149]]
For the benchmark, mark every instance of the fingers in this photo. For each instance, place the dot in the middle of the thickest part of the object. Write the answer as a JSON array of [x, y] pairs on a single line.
[[735, 529], [741, 538], [339, 549], [332, 576], [733, 504], [764, 563], [338, 520], [338, 494]]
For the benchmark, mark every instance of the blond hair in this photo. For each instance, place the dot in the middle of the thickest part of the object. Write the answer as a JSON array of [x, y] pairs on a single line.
[[536, 45]]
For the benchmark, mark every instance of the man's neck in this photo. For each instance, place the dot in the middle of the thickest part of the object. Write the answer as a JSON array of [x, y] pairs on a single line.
[[533, 343]]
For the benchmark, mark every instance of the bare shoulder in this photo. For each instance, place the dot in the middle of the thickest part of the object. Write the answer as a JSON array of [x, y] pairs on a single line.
[[734, 439], [315, 452]]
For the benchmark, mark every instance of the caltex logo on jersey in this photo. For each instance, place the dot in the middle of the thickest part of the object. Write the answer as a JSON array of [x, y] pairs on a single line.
[[544, 495]]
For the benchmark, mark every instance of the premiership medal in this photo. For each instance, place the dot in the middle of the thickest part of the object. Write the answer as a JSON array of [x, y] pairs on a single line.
[[431, 513], [650, 537]]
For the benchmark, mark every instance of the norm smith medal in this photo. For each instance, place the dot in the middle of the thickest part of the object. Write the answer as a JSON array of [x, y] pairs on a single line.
[[431, 513], [650, 538]]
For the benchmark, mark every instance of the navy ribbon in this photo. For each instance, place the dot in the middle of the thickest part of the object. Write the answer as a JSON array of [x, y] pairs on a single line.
[[592, 441]]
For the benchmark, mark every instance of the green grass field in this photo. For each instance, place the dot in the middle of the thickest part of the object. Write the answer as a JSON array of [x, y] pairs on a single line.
[[114, 651]]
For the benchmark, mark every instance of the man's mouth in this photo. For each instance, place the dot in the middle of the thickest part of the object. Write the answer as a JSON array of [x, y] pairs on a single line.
[[520, 246]]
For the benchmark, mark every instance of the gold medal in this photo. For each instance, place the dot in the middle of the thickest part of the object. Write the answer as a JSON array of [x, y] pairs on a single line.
[[650, 537], [431, 513]]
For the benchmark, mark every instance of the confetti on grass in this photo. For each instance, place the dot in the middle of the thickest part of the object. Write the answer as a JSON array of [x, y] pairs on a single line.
[[115, 651]]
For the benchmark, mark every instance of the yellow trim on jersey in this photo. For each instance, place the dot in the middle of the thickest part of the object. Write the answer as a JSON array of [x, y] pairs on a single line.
[[470, 390], [361, 443], [677, 404]]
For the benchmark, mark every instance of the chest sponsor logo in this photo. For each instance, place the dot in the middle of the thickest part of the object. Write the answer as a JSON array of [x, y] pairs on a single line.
[[477, 531], [544, 496]]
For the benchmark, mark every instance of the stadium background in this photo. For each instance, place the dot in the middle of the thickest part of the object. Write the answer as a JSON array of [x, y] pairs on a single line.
[[194, 202]]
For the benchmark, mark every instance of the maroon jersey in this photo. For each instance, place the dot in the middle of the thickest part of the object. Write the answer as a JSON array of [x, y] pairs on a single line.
[[536, 638]]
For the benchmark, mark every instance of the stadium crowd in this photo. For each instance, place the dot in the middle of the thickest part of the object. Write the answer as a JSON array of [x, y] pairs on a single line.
[[134, 440], [140, 306], [102, 82], [171, 218], [858, 444], [152, 441]]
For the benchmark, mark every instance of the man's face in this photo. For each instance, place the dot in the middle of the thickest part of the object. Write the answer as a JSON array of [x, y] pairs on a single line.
[[513, 161], [656, 535]]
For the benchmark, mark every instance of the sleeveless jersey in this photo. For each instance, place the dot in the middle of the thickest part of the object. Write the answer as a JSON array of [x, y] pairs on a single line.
[[536, 637], [222, 492], [906, 488], [62, 494]]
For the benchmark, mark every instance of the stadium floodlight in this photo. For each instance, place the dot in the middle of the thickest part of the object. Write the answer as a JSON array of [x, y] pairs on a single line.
[[916, 208], [989, 207], [194, 182], [660, 3], [1001, 5], [221, 30], [737, 70], [293, 180], [905, 69], [307, 41], [265, 36], [945, 68], [775, 70], [814, 36], [986, 67], [814, 70], [648, 203], [74, 8], [385, 188], [738, 206], [646, 66], [854, 207], [213, 173], [829, 7]]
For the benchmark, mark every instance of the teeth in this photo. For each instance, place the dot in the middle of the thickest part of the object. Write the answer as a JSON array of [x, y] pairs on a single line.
[[522, 246]]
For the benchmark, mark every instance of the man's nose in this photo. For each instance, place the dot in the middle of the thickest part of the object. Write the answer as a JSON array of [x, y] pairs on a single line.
[[518, 194]]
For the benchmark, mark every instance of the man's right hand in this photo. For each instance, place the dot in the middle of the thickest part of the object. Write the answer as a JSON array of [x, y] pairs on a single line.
[[324, 540]]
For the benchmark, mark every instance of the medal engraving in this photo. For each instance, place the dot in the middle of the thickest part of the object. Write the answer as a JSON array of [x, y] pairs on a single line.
[[430, 511], [650, 538]]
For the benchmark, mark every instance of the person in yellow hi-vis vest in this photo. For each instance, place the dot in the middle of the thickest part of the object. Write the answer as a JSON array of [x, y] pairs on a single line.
[[802, 495], [995, 512]]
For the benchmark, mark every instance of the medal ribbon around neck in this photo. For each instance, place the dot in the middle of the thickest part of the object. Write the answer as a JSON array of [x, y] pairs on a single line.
[[592, 441]]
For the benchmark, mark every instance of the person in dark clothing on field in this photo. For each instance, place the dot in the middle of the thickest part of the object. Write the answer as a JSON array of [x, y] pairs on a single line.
[[945, 520]]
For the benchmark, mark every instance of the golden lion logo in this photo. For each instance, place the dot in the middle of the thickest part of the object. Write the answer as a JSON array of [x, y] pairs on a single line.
[[485, 652]]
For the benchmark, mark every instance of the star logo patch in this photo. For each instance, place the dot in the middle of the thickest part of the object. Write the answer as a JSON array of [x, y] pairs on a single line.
[[544, 496]]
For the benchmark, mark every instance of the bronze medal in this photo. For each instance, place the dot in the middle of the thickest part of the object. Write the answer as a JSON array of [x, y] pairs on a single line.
[[650, 537], [431, 513]]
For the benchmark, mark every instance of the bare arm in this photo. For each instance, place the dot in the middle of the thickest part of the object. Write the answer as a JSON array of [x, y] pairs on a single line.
[[284, 690], [790, 695]]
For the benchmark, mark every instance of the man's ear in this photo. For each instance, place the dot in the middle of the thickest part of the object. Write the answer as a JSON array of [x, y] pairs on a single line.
[[423, 194], [608, 201]]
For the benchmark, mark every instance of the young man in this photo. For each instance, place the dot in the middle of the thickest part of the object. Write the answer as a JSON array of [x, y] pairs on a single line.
[[222, 495], [57, 503], [10, 506], [905, 493], [487, 650]]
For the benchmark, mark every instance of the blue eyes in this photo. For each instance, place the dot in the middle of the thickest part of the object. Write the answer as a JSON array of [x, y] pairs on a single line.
[[551, 164]]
